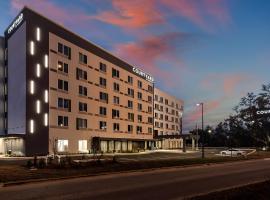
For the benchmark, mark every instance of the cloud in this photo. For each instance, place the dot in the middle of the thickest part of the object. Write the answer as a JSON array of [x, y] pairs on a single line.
[[140, 13], [227, 84], [132, 14], [147, 52]]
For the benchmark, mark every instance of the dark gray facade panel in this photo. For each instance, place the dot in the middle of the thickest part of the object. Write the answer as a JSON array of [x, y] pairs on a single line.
[[2, 81], [17, 82]]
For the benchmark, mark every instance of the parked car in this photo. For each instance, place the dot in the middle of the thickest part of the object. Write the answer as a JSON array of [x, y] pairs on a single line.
[[233, 152]]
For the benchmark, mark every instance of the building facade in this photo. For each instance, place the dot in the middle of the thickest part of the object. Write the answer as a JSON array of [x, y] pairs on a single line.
[[168, 112], [63, 94]]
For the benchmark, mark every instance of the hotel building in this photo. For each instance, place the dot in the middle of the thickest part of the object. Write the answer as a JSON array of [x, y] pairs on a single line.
[[63, 94], [168, 112]]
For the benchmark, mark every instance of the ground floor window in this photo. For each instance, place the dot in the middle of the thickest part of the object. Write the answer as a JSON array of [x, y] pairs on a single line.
[[83, 146], [62, 145]]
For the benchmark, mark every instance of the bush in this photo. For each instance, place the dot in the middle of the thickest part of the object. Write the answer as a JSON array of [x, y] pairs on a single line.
[[29, 164], [41, 163]]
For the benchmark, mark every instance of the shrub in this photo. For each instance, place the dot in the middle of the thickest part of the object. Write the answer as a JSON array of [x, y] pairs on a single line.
[[29, 164]]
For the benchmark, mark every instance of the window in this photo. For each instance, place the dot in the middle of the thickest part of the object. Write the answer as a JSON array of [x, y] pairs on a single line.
[[32, 87], [139, 106], [139, 84], [149, 99], [82, 90], [156, 124], [102, 125], [38, 70], [131, 117], [161, 117], [38, 34], [64, 103], [63, 67], [60, 48], [161, 125], [150, 120], [103, 96], [116, 87], [81, 123], [62, 85], [150, 88], [149, 109], [115, 73], [82, 107], [139, 118], [116, 127], [102, 67], [102, 82], [82, 58], [166, 101], [81, 74], [103, 111], [63, 49], [161, 99], [156, 97], [130, 79], [32, 126], [156, 115], [130, 104], [167, 110], [139, 129], [116, 100], [166, 117], [62, 121], [161, 108], [62, 145], [115, 113], [82, 146], [156, 106], [130, 128], [139, 95], [130, 92], [149, 130]]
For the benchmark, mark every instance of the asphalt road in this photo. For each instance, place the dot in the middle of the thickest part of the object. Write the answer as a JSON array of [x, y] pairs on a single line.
[[173, 183]]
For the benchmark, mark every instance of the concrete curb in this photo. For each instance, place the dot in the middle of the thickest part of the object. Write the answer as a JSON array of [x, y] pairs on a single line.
[[29, 181]]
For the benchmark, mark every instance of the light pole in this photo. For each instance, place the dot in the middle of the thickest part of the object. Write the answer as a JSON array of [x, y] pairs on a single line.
[[201, 104]]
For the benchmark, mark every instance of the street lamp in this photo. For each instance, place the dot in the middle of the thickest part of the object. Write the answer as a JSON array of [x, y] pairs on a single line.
[[201, 104]]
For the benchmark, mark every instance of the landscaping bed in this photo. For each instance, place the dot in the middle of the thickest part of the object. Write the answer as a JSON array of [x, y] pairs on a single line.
[[100, 165]]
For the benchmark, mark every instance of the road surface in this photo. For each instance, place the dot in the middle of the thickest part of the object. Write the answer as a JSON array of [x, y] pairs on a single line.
[[172, 183]]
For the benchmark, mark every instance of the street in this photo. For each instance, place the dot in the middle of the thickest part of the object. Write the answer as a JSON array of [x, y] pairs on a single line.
[[171, 183]]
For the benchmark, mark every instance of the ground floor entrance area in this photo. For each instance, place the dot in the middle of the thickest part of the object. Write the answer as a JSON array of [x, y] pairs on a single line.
[[13, 146]]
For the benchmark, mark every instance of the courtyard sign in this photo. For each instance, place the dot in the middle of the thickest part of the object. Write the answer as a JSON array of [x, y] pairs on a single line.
[[16, 23], [263, 112], [143, 74]]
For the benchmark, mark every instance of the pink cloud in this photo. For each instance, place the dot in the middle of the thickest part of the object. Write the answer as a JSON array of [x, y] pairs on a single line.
[[132, 14], [140, 13], [227, 84], [148, 51], [209, 106]]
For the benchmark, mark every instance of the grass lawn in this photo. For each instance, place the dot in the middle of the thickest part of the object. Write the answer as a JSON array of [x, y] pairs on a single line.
[[10, 173]]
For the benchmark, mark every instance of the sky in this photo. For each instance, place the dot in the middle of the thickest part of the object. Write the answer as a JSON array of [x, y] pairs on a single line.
[[210, 51]]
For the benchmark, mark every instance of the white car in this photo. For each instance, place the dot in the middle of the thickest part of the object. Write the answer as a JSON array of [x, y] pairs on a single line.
[[233, 152]]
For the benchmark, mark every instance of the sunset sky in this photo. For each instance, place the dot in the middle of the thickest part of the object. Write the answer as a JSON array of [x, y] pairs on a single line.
[[211, 51]]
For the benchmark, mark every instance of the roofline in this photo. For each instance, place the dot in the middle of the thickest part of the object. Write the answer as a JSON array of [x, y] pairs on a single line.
[[182, 101], [81, 37]]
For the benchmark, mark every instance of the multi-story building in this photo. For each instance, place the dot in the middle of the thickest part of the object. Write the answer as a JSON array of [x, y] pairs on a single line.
[[167, 120], [63, 94]]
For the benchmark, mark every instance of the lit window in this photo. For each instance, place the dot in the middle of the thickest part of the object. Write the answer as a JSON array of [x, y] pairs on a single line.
[[31, 126], [46, 96], [38, 70], [38, 34], [32, 87], [83, 146], [38, 106], [62, 145], [46, 119], [46, 61], [32, 48]]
